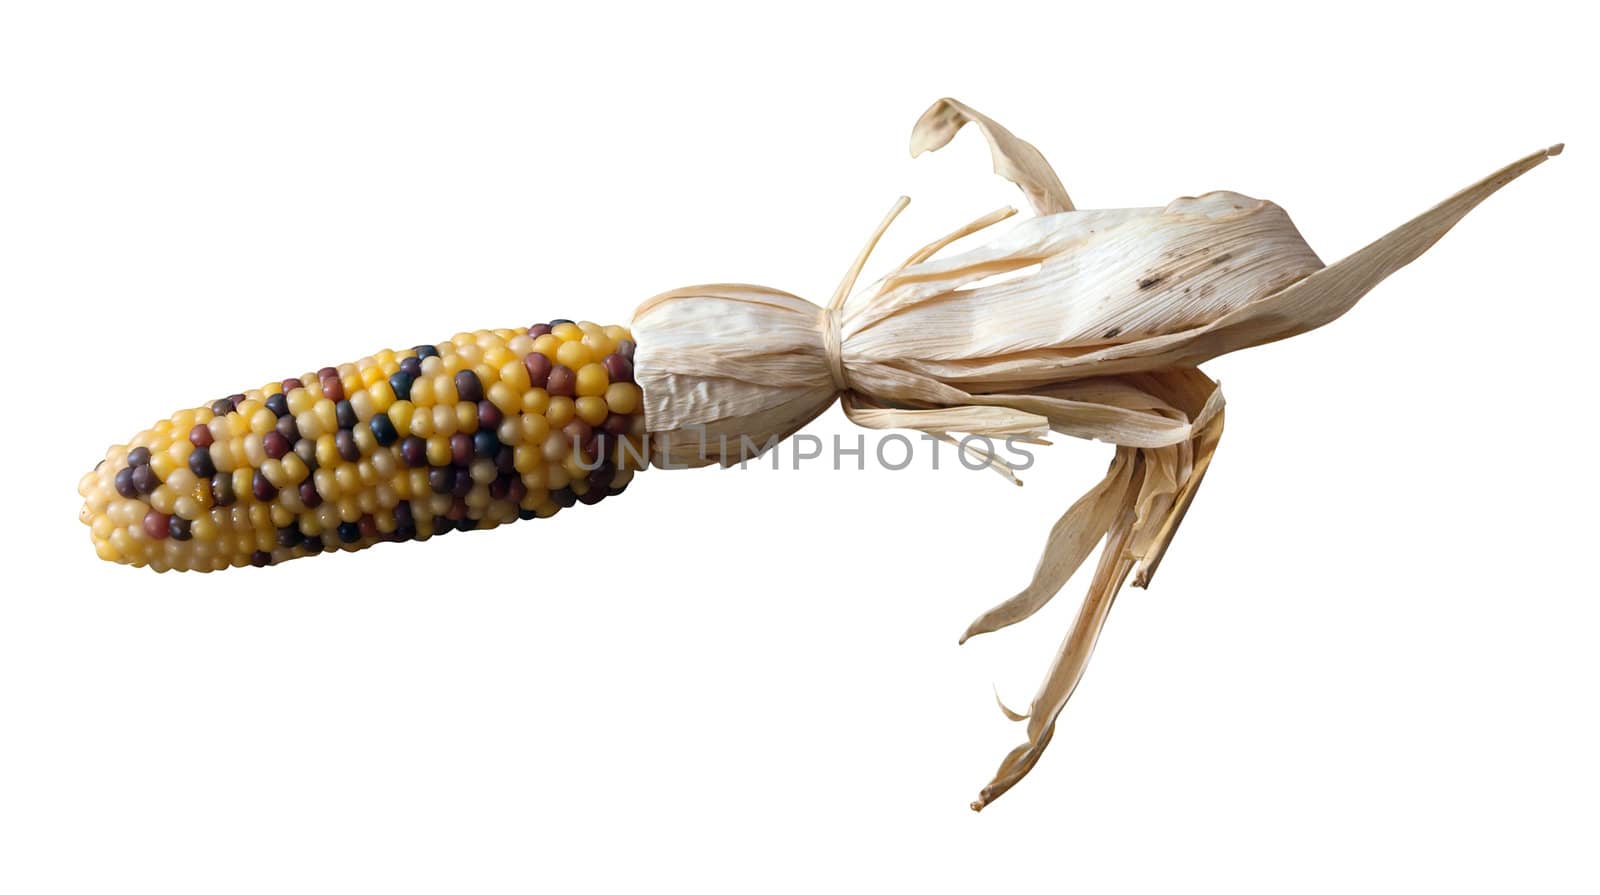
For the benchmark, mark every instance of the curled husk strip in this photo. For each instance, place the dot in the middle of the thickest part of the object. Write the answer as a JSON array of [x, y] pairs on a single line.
[[1089, 323]]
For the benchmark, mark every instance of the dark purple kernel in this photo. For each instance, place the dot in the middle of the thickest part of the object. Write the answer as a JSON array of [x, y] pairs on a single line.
[[426, 351], [383, 429], [178, 529], [489, 416], [592, 496], [274, 444], [618, 368], [291, 384], [466, 524], [345, 413], [236, 400], [613, 492], [139, 456], [124, 483], [563, 497], [485, 444], [345, 442], [526, 514], [602, 475], [349, 532], [538, 367], [403, 533], [262, 487], [563, 382], [616, 424], [312, 545], [517, 491], [222, 490], [499, 488], [400, 384], [414, 451], [538, 329], [333, 389], [145, 479], [577, 433], [458, 511], [441, 479], [625, 348], [411, 366], [309, 495], [468, 386], [156, 525], [290, 536], [461, 449], [200, 463], [278, 404], [222, 407], [200, 435], [402, 515], [505, 460], [558, 321], [463, 483], [289, 429], [261, 559]]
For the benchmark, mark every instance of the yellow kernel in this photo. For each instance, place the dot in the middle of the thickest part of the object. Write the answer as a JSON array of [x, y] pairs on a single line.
[[163, 499], [248, 407], [162, 464], [294, 468], [453, 364], [567, 332], [273, 470], [327, 452], [555, 477], [598, 344], [547, 345], [444, 389], [367, 473], [327, 416], [382, 397], [439, 451], [422, 391], [527, 457], [242, 484], [300, 401], [371, 375], [591, 410], [365, 441], [281, 517], [204, 530], [535, 400], [400, 414], [348, 478], [592, 380], [422, 422], [535, 428], [560, 412], [466, 417], [444, 419], [617, 333], [573, 354], [515, 375], [624, 397], [497, 357], [201, 495], [361, 403], [504, 397], [556, 449], [418, 481]]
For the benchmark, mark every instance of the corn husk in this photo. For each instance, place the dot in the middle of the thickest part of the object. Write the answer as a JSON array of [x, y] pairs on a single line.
[[1089, 323]]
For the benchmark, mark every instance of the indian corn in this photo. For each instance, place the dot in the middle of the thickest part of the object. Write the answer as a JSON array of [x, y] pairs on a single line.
[[485, 428], [1088, 323]]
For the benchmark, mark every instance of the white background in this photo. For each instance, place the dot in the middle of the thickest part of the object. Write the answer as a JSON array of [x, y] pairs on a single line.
[[1369, 662]]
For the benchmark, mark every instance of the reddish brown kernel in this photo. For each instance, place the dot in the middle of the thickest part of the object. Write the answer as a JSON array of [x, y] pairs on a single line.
[[200, 435], [563, 382], [538, 367], [157, 525]]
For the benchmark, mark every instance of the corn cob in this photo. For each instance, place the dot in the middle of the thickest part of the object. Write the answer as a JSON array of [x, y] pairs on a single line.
[[489, 427]]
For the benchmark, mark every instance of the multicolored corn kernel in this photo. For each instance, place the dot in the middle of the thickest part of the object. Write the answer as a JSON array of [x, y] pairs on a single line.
[[486, 428]]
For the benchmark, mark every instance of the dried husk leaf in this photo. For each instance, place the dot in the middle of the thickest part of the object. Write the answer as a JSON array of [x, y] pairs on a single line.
[[1086, 323]]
